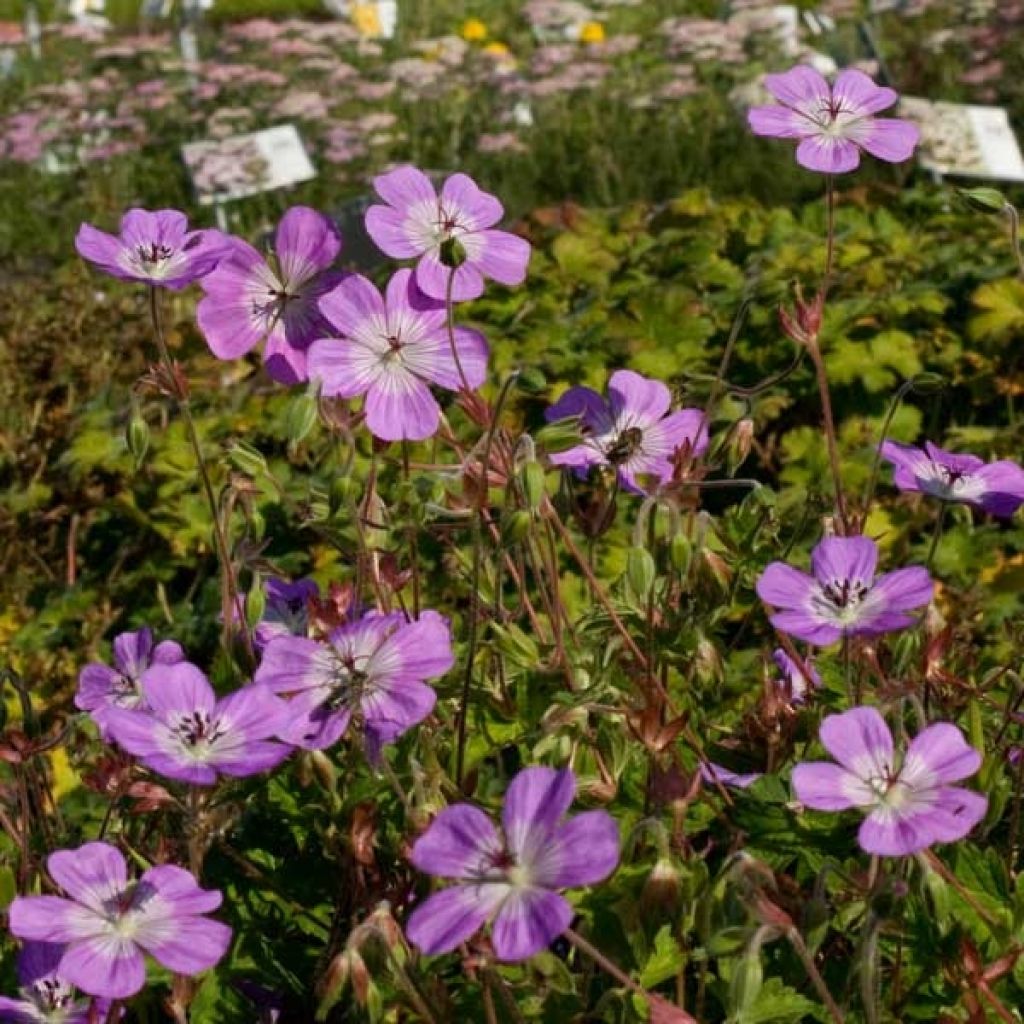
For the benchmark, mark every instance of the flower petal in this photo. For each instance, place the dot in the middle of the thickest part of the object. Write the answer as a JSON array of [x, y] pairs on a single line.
[[535, 803], [890, 138], [305, 243], [782, 586], [400, 407], [828, 154], [860, 741], [779, 123], [390, 231], [184, 943], [293, 663], [636, 400], [459, 843], [802, 88], [93, 874], [451, 916], [583, 851], [529, 920], [904, 589], [404, 187], [502, 256], [52, 919], [836, 559], [937, 755], [104, 965], [828, 787], [854, 92], [178, 688], [178, 891], [475, 209]]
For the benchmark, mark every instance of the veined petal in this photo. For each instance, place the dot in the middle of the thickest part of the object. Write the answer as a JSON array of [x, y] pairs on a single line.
[[461, 842], [432, 277], [105, 965], [828, 154], [293, 663], [636, 401], [305, 242], [355, 308], [828, 787], [401, 407], [103, 250], [404, 187], [528, 921], [178, 891], [807, 627], [903, 589], [395, 706], [389, 229], [253, 711], [584, 403], [860, 741], [53, 919], [854, 92], [685, 427], [451, 916], [176, 689], [802, 88], [93, 874], [779, 123], [937, 755], [184, 943], [419, 649], [431, 359], [502, 256], [535, 803], [836, 559], [583, 851], [889, 138], [475, 209], [783, 586]]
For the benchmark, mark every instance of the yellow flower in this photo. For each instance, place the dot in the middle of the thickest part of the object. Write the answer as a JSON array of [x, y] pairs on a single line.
[[473, 30], [497, 49], [366, 19], [592, 32]]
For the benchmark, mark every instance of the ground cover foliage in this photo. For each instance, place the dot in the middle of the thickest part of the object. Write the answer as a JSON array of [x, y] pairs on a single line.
[[617, 634]]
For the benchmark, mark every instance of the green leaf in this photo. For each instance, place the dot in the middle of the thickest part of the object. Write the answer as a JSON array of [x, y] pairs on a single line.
[[665, 961]]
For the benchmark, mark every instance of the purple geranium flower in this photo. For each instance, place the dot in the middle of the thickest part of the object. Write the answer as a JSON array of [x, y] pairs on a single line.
[[794, 683], [393, 348], [510, 878], [833, 124], [46, 998], [373, 668], [190, 735], [632, 430], [416, 224], [909, 805], [842, 598], [247, 299], [101, 687], [287, 609], [995, 487], [154, 247], [107, 923]]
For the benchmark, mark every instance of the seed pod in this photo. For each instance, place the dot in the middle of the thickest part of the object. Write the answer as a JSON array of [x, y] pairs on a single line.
[[560, 435], [984, 200], [928, 383], [749, 977]]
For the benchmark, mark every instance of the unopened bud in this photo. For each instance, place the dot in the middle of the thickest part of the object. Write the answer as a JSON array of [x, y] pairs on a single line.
[[324, 770], [740, 444], [342, 490], [680, 552], [255, 601], [559, 436], [708, 661], [532, 479], [748, 977], [515, 525], [137, 437], [532, 380], [301, 417], [662, 890], [640, 571], [928, 383], [247, 459], [984, 200], [453, 252]]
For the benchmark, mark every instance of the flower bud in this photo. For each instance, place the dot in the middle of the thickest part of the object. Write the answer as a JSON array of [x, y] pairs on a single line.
[[453, 252], [255, 601], [560, 435], [928, 383], [515, 525], [324, 770], [532, 380], [660, 896], [247, 459], [748, 977], [640, 571], [740, 444], [532, 479], [343, 489], [137, 437], [300, 417], [680, 552], [983, 200]]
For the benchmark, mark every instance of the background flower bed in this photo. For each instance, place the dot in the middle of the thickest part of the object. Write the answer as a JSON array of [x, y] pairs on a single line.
[[95, 544]]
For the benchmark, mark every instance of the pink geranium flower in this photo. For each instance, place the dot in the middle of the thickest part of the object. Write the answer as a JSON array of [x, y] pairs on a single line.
[[393, 347], [833, 123], [418, 224]]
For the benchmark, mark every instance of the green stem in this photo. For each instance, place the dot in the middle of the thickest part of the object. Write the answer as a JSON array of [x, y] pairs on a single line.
[[220, 540]]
